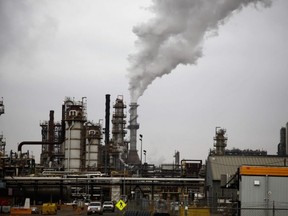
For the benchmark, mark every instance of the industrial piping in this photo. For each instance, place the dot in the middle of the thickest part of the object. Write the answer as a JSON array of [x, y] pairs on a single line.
[[47, 143]]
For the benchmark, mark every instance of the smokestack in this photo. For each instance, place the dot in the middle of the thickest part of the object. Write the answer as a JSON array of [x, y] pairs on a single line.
[[51, 132], [107, 119], [107, 131], [133, 157]]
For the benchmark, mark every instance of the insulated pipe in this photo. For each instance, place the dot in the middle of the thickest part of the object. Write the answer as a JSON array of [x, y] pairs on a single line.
[[69, 146], [47, 143]]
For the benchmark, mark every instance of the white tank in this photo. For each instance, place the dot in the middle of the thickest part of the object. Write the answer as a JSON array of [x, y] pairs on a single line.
[[92, 154], [75, 116], [72, 161], [92, 148]]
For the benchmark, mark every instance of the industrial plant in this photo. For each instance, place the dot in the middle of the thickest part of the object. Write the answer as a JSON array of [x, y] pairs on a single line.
[[88, 161], [83, 160]]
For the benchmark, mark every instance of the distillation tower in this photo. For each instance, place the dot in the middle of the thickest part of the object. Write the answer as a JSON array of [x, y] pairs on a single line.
[[220, 141], [119, 145], [2, 139], [283, 145], [74, 145]]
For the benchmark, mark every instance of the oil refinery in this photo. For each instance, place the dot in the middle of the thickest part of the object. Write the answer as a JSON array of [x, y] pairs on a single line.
[[84, 160]]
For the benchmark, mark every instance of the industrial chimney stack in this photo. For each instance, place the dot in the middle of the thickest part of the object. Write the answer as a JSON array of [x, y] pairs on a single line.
[[133, 157]]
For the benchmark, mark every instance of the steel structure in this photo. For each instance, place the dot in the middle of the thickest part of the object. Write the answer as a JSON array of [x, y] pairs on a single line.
[[220, 141], [2, 139], [51, 155], [119, 146], [40, 187]]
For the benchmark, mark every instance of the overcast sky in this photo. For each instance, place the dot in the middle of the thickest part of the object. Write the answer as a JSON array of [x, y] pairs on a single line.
[[234, 75]]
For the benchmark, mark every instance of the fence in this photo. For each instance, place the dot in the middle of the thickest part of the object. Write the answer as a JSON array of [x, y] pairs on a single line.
[[200, 209]]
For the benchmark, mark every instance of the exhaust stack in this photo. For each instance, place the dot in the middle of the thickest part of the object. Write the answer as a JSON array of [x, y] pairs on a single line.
[[133, 157]]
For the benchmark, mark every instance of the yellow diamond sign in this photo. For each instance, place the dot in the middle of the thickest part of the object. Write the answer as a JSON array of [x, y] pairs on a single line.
[[121, 205]]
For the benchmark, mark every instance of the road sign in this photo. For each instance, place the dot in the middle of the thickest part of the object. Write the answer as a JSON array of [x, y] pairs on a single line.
[[121, 205]]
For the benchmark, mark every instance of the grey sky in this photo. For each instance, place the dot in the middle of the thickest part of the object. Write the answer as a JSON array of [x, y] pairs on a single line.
[[53, 49]]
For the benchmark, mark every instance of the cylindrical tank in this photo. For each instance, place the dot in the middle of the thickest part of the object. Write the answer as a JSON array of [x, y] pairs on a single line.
[[93, 139], [74, 124], [72, 146]]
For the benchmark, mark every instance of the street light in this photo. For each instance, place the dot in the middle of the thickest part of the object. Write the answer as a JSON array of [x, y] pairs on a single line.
[[144, 152], [1, 107], [124, 189], [141, 136]]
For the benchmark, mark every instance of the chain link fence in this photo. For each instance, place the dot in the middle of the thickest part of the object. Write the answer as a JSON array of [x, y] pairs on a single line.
[[174, 208]]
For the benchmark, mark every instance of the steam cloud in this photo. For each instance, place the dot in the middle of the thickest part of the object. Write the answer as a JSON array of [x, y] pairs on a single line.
[[175, 36]]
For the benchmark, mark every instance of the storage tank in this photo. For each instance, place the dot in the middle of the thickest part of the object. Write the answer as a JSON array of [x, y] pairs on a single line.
[[93, 140]]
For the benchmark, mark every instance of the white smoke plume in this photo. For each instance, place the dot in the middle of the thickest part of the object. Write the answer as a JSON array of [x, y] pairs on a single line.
[[175, 35]]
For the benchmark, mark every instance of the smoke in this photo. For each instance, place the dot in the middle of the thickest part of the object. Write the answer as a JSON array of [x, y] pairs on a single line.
[[175, 35]]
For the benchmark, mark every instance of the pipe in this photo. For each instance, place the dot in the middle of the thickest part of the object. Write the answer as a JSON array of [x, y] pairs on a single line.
[[69, 147], [89, 152], [60, 142], [51, 129]]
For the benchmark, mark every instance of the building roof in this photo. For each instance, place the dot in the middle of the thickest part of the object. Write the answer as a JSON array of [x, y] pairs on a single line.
[[228, 164]]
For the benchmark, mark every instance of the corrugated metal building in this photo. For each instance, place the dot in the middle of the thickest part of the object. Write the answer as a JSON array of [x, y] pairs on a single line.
[[227, 166], [263, 190]]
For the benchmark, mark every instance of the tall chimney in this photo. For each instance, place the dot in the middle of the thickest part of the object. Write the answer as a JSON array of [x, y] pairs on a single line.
[[51, 132], [107, 131], [133, 157]]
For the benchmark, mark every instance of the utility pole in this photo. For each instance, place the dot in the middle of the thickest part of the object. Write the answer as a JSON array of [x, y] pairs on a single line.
[[141, 138]]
